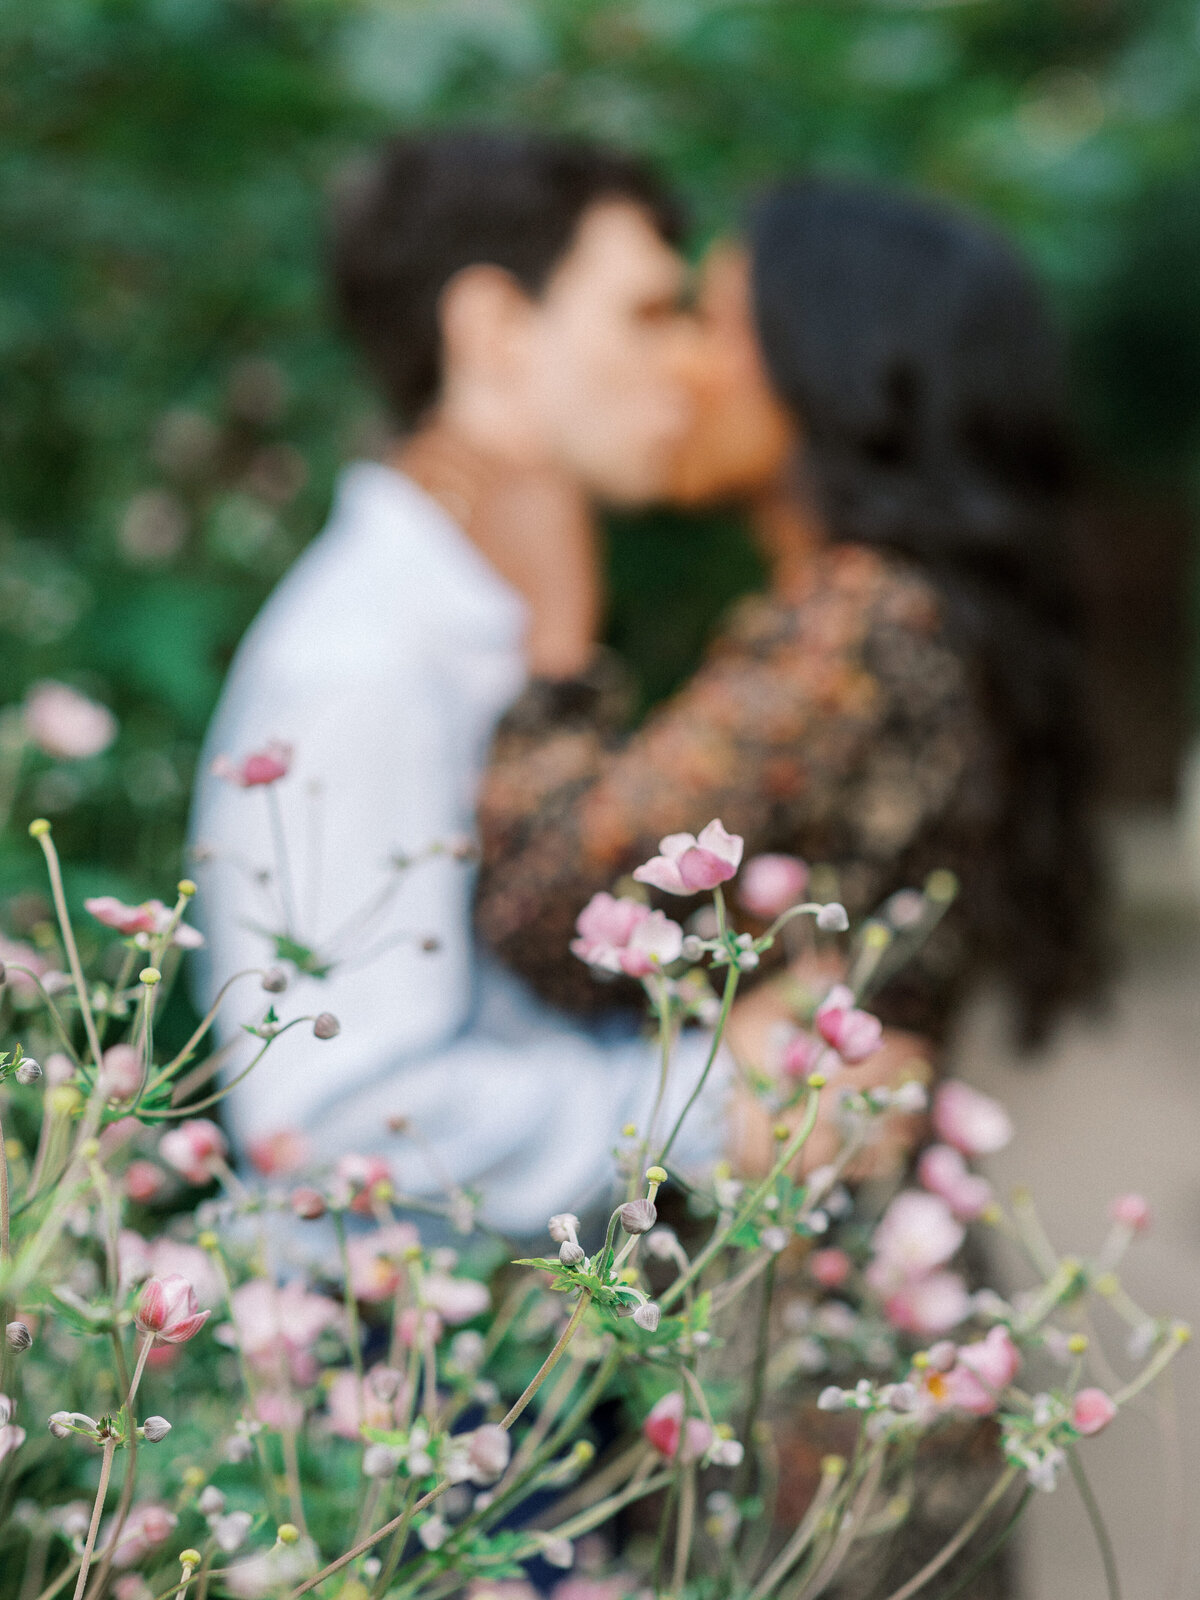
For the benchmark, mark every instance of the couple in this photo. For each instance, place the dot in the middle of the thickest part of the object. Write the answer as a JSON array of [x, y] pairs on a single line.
[[873, 380]]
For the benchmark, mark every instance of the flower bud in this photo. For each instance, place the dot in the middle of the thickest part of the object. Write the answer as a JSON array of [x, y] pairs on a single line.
[[189, 1557], [327, 1026], [287, 1533], [308, 1204], [60, 1424], [832, 918], [274, 980], [570, 1254], [211, 1502], [18, 1336], [156, 1428], [6, 1411], [564, 1225], [638, 1216], [647, 1316], [149, 976], [28, 1072], [379, 1461], [489, 1450], [831, 1399]]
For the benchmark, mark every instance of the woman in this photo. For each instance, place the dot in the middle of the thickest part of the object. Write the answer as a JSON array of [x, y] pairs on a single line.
[[878, 383], [879, 386]]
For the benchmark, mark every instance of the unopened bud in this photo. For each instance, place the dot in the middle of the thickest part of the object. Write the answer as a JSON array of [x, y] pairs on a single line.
[[570, 1254], [60, 1424], [287, 1533], [274, 980], [211, 1502], [832, 918], [149, 976], [28, 1072], [308, 1204], [326, 1026], [638, 1216], [646, 1316], [379, 1461], [156, 1428], [18, 1336], [431, 945]]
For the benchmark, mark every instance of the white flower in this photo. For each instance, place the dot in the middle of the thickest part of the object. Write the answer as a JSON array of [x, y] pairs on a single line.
[[558, 1552], [433, 1532]]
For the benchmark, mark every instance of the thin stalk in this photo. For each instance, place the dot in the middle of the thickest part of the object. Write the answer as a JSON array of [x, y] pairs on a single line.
[[60, 1026], [749, 1207], [997, 1544], [283, 869], [685, 1530], [97, 1508], [731, 983], [212, 1099], [952, 1546], [202, 1027], [1096, 1517], [849, 1526], [68, 936], [439, 1489], [1174, 1344], [291, 1471], [664, 1074], [800, 1540], [130, 1483], [353, 1331], [5, 1243], [757, 1377]]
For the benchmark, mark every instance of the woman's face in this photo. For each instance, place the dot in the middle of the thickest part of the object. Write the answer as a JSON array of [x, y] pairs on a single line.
[[742, 435]]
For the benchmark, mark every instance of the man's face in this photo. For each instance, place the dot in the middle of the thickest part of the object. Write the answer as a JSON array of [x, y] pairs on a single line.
[[606, 385]]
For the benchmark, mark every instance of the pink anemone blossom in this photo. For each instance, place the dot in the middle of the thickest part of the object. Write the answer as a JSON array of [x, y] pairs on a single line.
[[150, 918], [770, 884], [687, 863], [121, 1074], [1131, 1211], [623, 935], [917, 1234], [943, 1171], [929, 1306], [277, 1154], [260, 767], [354, 1179], [972, 1122], [854, 1034], [375, 1259], [196, 1149], [830, 1267], [276, 1329], [146, 1527], [664, 1427], [1092, 1410], [66, 724], [456, 1300], [983, 1371], [167, 1309]]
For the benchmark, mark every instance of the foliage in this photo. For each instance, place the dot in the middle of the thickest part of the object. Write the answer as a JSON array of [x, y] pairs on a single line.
[[175, 403]]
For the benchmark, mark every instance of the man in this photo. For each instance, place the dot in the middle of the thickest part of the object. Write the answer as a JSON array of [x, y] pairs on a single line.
[[516, 299]]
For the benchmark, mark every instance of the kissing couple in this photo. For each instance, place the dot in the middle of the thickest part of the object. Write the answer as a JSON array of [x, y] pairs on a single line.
[[871, 378]]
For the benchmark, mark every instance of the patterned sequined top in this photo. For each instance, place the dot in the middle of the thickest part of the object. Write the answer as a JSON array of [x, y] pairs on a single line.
[[841, 727]]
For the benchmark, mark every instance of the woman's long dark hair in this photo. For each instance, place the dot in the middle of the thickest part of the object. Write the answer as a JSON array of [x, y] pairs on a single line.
[[918, 357]]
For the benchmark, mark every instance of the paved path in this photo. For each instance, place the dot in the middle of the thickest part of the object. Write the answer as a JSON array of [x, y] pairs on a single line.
[[1116, 1106]]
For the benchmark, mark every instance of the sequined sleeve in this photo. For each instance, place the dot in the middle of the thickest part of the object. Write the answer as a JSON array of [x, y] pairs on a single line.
[[841, 728]]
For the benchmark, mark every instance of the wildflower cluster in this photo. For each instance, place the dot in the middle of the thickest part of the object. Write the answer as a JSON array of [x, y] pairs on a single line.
[[225, 1379]]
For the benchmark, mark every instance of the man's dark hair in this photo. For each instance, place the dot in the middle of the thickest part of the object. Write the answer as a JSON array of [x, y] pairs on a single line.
[[434, 204]]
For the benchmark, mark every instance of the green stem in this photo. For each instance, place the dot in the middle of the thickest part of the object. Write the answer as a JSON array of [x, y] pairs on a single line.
[[97, 1508], [1096, 1518], [952, 1546], [73, 961], [731, 983]]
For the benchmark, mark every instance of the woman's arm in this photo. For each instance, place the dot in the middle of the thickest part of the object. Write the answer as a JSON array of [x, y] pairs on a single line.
[[836, 726]]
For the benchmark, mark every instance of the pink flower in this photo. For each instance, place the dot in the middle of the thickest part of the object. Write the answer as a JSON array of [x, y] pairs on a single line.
[[421, 1327], [972, 1122], [114, 913], [455, 1300], [139, 1258], [146, 1527], [800, 1055], [830, 1267], [983, 1371], [14, 954], [278, 1409], [1091, 1411], [11, 1438], [1131, 1211], [943, 1172], [376, 1270], [168, 1309], [916, 1234], [689, 864], [143, 1180], [275, 1154], [626, 936], [263, 766], [664, 1425], [854, 1034], [276, 1328], [151, 917], [929, 1306], [345, 1397], [770, 884], [66, 724], [121, 1072], [355, 1177], [196, 1149]]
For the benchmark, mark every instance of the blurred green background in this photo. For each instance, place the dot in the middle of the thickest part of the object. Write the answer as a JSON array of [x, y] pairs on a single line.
[[174, 401]]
